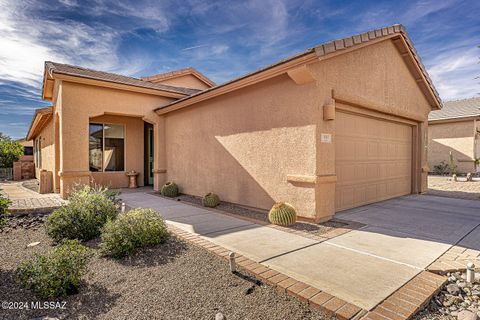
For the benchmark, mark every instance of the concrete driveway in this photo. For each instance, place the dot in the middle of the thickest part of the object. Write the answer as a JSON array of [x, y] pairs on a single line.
[[401, 238]]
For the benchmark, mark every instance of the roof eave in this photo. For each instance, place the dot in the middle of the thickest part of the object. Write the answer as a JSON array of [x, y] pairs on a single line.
[[454, 119], [40, 119], [180, 73], [115, 85]]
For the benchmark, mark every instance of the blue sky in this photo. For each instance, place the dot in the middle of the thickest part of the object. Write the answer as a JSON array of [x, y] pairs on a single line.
[[222, 39]]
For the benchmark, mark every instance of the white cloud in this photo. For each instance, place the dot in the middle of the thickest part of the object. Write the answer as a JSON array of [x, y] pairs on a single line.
[[454, 73], [423, 8], [28, 38]]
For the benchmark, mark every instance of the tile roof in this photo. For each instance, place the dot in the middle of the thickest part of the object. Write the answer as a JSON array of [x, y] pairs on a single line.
[[179, 72], [331, 47], [45, 113], [457, 109], [60, 68]]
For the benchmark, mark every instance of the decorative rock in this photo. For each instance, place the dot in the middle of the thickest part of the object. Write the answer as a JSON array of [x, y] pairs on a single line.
[[33, 244], [220, 316], [453, 289], [467, 315]]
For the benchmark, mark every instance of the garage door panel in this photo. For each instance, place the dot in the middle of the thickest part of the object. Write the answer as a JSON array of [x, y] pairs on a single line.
[[373, 160]]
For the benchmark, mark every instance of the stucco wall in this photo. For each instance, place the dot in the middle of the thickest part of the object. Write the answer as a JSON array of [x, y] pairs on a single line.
[[47, 149], [451, 136], [80, 103], [243, 145]]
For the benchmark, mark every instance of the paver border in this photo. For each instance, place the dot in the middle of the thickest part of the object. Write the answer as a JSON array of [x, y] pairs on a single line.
[[404, 303]]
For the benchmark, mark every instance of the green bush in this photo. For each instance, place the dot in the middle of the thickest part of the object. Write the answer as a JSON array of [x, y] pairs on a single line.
[[169, 189], [135, 229], [4, 202], [441, 169], [56, 274], [10, 151], [89, 208]]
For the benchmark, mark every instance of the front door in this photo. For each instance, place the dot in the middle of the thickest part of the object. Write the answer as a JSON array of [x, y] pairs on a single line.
[[148, 154]]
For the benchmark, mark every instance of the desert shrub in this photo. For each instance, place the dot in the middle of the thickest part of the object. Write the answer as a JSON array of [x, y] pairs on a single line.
[[57, 273], [452, 164], [10, 151], [211, 200], [441, 169], [135, 229], [89, 208], [169, 189], [282, 214], [4, 202]]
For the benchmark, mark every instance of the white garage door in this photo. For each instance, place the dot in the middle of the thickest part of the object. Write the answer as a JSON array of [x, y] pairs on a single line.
[[373, 160]]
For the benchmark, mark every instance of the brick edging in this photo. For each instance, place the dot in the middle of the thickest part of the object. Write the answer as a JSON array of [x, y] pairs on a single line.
[[316, 298], [409, 299]]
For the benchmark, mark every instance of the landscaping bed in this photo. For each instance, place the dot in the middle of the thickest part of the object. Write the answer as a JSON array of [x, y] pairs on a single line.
[[173, 280], [445, 186], [317, 229], [457, 299]]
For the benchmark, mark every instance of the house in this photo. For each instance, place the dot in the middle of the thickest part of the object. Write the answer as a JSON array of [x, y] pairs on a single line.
[[24, 167], [337, 126], [456, 129]]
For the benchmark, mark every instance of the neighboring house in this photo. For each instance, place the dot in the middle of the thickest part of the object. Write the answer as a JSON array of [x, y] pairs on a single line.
[[24, 168], [334, 127], [456, 129]]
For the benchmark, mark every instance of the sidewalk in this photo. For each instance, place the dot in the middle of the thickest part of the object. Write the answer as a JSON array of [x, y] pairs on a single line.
[[25, 201], [362, 279]]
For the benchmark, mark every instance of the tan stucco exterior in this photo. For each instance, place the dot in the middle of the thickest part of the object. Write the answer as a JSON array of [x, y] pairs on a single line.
[[261, 144], [269, 139], [457, 136], [47, 144]]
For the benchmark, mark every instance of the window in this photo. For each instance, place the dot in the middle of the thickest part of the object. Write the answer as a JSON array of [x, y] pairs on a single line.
[[106, 147], [28, 151]]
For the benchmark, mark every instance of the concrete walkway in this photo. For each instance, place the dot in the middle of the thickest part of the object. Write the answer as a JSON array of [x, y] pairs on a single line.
[[363, 267], [25, 201]]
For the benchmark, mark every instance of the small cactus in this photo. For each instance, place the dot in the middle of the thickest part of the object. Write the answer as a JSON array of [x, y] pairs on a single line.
[[169, 189], [210, 200], [282, 214]]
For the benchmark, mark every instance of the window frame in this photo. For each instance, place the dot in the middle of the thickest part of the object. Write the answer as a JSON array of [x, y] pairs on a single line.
[[103, 146], [38, 152]]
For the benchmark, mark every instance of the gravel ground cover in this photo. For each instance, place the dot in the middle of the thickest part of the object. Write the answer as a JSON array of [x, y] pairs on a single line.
[[446, 187], [457, 299], [313, 228], [32, 185], [172, 281]]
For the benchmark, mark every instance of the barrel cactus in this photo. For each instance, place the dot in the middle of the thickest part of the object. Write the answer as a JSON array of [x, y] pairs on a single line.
[[282, 214], [210, 200], [169, 189]]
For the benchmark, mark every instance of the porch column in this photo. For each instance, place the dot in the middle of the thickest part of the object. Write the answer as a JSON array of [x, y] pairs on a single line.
[[74, 167], [325, 150], [159, 157], [423, 131]]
